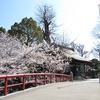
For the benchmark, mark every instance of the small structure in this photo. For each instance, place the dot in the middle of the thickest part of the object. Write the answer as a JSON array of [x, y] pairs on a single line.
[[79, 65]]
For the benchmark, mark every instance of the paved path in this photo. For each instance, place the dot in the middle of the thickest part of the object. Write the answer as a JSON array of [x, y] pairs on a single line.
[[78, 90]]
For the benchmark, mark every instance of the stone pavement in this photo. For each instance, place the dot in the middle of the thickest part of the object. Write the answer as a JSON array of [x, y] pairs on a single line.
[[76, 90]]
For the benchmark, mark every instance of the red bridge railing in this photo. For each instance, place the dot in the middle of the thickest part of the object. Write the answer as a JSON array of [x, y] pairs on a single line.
[[35, 78]]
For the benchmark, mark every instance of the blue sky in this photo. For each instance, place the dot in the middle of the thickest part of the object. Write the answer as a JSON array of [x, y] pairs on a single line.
[[76, 17], [15, 10]]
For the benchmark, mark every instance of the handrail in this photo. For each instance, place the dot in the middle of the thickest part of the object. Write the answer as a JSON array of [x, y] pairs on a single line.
[[36, 78]]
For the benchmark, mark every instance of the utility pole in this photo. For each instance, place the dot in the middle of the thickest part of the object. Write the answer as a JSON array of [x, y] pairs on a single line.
[[99, 51], [63, 39], [99, 9]]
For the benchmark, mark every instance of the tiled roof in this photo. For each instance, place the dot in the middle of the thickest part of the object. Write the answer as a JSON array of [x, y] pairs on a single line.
[[75, 55]]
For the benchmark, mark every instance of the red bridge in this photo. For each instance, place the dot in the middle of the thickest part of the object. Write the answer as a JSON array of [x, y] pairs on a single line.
[[35, 79]]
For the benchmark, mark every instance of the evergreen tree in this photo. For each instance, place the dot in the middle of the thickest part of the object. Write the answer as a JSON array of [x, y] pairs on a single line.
[[27, 31]]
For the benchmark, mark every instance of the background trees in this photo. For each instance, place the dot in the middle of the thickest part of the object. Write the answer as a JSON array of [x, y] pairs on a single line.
[[46, 16], [80, 48], [96, 64], [2, 30], [27, 31]]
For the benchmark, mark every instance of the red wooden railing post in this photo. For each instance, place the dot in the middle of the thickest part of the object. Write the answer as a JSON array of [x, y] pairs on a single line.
[[6, 85], [51, 78], [44, 79], [35, 80], [56, 78], [24, 82], [63, 78], [66, 78], [60, 78]]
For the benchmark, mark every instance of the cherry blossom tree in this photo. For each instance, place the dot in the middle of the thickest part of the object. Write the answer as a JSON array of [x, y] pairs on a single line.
[[16, 57]]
